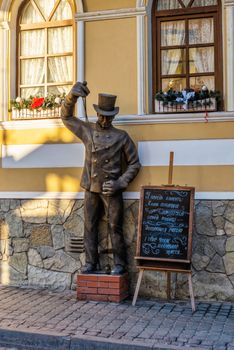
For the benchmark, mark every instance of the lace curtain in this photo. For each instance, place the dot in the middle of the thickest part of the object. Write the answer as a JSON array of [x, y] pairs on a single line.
[[59, 41], [172, 33]]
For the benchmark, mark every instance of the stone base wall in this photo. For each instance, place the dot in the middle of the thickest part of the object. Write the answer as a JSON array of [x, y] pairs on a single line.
[[35, 248]]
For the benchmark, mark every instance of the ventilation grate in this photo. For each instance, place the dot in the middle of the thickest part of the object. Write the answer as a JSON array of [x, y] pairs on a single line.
[[76, 245]]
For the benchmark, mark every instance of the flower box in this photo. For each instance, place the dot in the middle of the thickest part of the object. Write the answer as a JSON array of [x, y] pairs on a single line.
[[205, 105], [26, 113]]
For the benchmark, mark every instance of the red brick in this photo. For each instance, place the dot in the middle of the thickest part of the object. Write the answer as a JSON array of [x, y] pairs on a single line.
[[103, 284], [109, 278], [109, 291], [81, 296], [117, 298], [81, 283], [92, 284], [97, 297], [114, 285], [87, 290], [87, 277]]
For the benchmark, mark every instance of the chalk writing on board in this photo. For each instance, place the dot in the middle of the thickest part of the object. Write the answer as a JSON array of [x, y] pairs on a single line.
[[165, 223]]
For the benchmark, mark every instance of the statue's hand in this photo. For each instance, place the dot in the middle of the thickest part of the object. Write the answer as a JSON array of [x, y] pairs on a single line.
[[80, 89], [111, 187]]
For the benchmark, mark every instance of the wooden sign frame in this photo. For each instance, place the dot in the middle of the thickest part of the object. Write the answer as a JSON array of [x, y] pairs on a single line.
[[165, 264], [190, 228]]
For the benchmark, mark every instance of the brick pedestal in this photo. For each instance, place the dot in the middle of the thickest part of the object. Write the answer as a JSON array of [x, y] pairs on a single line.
[[102, 287]]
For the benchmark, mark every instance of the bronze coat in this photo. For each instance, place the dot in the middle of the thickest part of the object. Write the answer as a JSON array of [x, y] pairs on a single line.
[[105, 150]]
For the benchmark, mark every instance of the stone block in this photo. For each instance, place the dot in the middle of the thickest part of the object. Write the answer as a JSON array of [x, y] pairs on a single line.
[[229, 263], [62, 262], [40, 236], [57, 236], [34, 211], [200, 261], [218, 208], [19, 262], [34, 258], [46, 251], [14, 222], [230, 244], [20, 245], [48, 279], [229, 228], [203, 220], [59, 210], [216, 264], [229, 212]]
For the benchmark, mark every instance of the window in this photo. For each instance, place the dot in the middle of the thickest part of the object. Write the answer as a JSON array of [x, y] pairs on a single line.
[[45, 48], [187, 44]]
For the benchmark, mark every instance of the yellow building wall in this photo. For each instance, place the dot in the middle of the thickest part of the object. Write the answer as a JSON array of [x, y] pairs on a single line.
[[111, 62], [100, 5], [204, 178]]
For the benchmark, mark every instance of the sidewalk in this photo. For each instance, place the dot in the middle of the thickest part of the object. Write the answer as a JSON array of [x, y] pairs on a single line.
[[43, 320]]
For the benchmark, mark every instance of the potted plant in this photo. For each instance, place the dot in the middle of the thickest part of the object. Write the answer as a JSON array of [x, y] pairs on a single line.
[[36, 107], [187, 100]]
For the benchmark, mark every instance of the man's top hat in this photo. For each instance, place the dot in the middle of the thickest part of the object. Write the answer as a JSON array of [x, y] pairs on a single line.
[[106, 105]]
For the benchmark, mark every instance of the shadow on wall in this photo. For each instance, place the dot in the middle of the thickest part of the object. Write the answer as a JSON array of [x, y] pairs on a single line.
[[36, 234]]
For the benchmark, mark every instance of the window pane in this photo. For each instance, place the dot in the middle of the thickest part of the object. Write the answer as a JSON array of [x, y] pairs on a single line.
[[198, 82], [32, 71], [201, 31], [33, 91], [59, 90], [46, 6], [168, 4], [201, 60], [177, 84], [28, 40], [60, 69], [173, 33], [197, 3], [63, 11], [31, 15], [173, 62], [60, 40]]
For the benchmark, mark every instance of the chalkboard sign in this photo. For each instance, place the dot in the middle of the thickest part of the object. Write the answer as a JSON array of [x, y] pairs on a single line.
[[165, 223]]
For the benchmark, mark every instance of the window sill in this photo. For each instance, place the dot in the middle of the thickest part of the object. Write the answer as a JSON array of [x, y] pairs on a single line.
[[212, 117]]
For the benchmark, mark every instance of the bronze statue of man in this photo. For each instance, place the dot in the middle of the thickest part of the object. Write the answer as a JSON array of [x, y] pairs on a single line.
[[103, 176]]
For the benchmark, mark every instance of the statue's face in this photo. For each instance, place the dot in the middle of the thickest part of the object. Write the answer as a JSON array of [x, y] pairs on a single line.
[[104, 122]]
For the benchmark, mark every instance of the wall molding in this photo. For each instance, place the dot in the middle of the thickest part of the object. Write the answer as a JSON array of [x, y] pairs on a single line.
[[126, 195], [145, 119], [110, 14]]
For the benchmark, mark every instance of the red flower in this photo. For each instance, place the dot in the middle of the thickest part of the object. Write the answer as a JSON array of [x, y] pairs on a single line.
[[37, 102]]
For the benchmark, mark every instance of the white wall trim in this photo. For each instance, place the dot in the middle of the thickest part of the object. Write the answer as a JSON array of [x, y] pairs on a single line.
[[126, 195], [228, 3], [146, 119], [110, 14], [141, 65], [205, 152]]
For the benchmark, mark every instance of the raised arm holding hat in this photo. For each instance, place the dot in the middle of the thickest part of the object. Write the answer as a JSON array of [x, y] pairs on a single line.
[[103, 177]]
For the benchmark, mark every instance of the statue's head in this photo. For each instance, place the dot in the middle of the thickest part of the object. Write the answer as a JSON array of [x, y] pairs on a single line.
[[106, 110]]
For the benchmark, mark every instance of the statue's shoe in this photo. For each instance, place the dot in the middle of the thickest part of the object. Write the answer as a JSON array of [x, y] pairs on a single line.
[[118, 270], [89, 268]]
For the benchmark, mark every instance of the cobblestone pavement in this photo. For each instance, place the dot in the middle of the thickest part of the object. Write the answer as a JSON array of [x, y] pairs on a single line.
[[211, 327]]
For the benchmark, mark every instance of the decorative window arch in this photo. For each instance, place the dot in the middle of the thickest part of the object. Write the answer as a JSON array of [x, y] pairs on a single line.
[[45, 52], [187, 44]]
